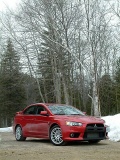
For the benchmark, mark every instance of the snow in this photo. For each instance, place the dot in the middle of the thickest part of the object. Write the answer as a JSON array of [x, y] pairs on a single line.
[[112, 121], [7, 129]]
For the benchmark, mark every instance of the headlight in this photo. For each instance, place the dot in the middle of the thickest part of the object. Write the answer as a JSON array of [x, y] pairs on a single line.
[[73, 123]]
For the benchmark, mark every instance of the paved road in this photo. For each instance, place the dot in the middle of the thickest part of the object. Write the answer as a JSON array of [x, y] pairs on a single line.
[[36, 149]]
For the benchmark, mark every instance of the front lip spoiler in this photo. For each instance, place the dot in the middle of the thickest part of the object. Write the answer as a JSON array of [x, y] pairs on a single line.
[[88, 139]]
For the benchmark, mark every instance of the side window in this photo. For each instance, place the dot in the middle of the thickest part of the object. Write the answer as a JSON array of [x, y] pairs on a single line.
[[40, 108], [31, 110]]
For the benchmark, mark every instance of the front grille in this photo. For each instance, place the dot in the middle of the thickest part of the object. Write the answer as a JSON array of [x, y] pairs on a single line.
[[95, 127], [94, 131], [94, 124]]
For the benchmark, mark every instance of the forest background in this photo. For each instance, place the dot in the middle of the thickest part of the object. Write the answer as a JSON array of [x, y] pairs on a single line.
[[60, 51]]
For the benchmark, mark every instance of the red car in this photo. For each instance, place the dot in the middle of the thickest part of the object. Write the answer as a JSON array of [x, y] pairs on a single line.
[[59, 123]]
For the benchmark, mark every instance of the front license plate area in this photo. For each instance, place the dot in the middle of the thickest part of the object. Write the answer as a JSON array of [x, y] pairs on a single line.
[[93, 135]]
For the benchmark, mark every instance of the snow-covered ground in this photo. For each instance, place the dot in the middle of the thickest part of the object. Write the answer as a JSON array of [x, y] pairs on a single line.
[[8, 129], [112, 121]]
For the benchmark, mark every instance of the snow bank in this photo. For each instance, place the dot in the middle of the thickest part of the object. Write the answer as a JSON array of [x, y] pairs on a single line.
[[8, 129], [114, 123]]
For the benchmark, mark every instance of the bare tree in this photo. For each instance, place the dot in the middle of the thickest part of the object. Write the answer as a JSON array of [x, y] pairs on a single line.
[[77, 46]]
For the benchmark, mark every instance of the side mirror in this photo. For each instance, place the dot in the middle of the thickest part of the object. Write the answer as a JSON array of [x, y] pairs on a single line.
[[84, 113], [20, 112], [44, 113]]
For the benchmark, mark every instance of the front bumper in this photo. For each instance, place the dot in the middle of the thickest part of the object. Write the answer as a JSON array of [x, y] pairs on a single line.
[[84, 133]]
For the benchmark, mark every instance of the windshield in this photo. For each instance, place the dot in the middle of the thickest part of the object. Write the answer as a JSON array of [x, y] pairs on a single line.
[[65, 110]]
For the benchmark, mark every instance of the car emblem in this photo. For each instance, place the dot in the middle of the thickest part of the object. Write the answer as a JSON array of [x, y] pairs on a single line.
[[95, 125]]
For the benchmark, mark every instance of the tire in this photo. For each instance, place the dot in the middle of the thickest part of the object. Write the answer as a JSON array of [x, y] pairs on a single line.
[[94, 141], [56, 136], [19, 134]]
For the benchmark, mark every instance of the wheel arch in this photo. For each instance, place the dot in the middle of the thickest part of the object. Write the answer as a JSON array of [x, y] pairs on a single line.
[[17, 126], [52, 125]]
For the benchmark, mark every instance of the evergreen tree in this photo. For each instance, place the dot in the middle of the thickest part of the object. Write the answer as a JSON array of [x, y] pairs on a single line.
[[12, 93], [117, 85], [107, 95], [53, 67]]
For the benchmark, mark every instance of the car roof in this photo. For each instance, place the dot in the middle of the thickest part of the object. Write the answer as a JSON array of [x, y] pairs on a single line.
[[48, 104]]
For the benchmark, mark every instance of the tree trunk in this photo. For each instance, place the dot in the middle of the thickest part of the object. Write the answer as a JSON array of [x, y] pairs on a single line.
[[95, 100], [56, 80], [65, 91]]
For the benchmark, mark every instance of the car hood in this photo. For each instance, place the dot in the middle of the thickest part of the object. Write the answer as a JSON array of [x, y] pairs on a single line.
[[78, 118]]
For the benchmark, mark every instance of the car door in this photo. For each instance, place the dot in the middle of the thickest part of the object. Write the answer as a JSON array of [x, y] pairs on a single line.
[[28, 119], [41, 123]]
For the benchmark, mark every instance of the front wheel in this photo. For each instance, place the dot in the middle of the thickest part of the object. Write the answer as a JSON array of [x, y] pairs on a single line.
[[19, 134], [56, 136]]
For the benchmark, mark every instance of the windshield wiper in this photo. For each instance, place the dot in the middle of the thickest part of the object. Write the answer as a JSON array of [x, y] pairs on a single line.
[[59, 114], [75, 114]]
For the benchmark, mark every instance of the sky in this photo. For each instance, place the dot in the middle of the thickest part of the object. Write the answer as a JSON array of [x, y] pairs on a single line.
[[112, 121], [10, 3]]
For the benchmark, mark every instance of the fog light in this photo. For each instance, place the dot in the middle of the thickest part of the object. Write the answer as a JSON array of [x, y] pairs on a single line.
[[72, 135]]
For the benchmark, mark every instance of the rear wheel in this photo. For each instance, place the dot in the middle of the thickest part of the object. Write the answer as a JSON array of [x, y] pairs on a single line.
[[56, 136], [19, 134]]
